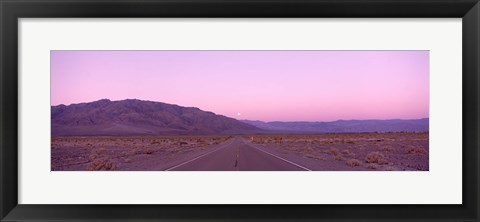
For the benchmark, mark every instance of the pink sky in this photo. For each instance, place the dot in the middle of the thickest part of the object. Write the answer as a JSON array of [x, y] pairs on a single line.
[[260, 85]]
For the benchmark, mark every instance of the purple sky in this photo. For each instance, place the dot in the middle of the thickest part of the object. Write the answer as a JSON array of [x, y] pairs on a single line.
[[260, 85]]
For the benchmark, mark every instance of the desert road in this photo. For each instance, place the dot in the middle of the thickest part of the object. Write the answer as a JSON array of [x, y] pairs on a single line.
[[237, 154]]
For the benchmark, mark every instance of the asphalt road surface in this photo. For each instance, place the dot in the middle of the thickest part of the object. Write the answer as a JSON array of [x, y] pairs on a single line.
[[238, 155]]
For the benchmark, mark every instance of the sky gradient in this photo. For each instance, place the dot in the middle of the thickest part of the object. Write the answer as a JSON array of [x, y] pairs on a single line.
[[258, 85]]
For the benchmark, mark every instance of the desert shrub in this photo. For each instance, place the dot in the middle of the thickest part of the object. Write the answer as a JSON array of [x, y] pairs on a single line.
[[98, 153], [315, 157], [137, 151], [99, 160], [333, 151], [278, 139], [372, 166], [376, 157], [345, 152], [309, 149], [353, 162], [387, 148], [147, 150], [339, 158], [101, 164], [417, 151]]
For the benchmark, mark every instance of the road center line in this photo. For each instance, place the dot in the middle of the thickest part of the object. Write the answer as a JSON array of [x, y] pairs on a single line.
[[288, 161], [198, 157]]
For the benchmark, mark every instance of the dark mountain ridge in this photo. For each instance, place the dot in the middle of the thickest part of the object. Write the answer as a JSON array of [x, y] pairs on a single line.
[[138, 117]]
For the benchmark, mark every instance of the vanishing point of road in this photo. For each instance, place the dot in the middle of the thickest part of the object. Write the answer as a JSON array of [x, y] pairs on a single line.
[[237, 154]]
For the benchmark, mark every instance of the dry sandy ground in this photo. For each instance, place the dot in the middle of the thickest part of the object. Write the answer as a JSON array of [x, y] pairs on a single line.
[[351, 152], [128, 153], [320, 152]]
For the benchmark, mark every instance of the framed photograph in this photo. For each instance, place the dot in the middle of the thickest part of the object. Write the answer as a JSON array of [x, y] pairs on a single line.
[[224, 110]]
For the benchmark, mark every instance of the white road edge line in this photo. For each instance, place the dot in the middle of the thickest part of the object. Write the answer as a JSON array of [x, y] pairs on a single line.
[[171, 168], [288, 161]]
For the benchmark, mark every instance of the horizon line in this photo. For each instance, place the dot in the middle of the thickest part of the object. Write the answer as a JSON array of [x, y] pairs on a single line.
[[315, 121]]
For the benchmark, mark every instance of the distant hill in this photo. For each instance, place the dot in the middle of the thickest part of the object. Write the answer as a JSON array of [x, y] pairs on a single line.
[[344, 126], [137, 117]]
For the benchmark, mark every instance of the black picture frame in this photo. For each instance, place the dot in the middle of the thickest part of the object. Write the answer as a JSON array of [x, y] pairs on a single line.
[[12, 10]]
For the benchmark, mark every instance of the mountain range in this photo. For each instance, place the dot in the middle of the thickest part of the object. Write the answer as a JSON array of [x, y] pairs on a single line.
[[345, 126], [138, 117]]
